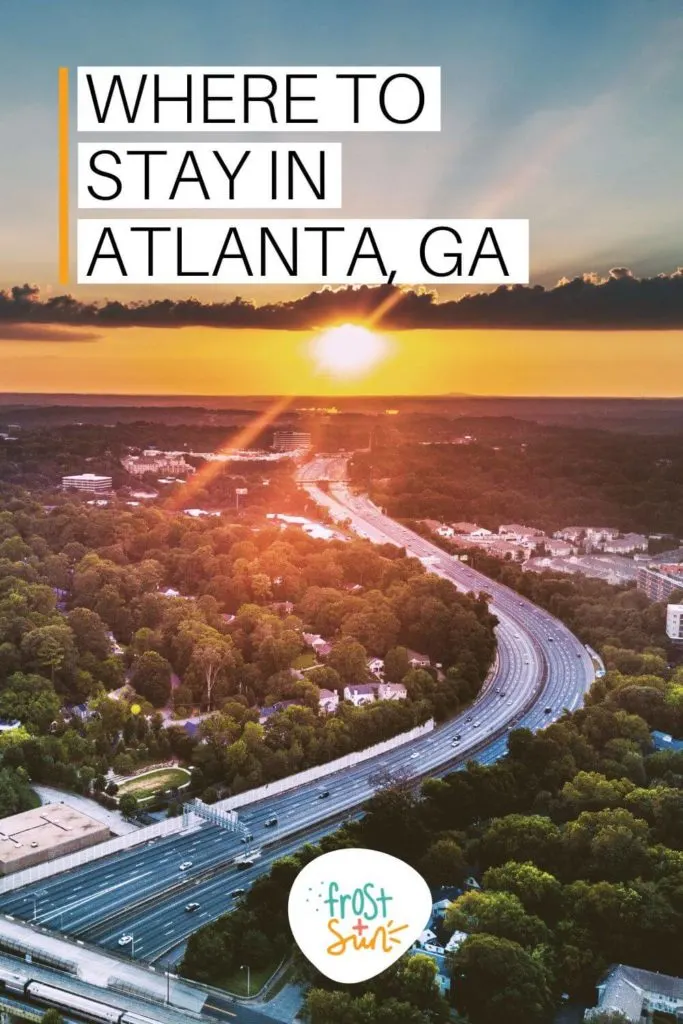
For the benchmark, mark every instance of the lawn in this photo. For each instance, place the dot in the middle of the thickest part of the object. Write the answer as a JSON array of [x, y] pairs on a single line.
[[155, 782], [237, 983], [304, 661]]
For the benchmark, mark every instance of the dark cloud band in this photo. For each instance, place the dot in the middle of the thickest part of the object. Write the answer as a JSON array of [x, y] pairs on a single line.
[[619, 301]]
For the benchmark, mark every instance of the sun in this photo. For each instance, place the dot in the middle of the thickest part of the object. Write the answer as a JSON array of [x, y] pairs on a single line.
[[348, 351]]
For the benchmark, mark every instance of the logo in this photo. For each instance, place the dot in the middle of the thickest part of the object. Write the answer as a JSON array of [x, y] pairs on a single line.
[[353, 913]]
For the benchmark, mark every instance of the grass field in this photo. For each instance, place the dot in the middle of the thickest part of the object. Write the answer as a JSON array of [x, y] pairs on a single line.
[[237, 983], [305, 660], [155, 782]]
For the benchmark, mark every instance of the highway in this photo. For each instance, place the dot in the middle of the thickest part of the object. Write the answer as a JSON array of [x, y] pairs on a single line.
[[540, 670]]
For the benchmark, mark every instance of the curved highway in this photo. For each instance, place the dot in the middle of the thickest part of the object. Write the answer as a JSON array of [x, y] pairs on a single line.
[[541, 669]]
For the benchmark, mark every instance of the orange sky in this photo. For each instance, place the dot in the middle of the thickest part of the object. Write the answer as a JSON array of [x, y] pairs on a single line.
[[212, 362]]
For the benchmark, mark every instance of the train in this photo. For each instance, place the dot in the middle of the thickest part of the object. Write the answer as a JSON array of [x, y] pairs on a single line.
[[71, 1003]]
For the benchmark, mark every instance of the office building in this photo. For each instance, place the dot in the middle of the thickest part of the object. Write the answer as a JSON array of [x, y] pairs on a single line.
[[291, 441], [660, 581], [90, 482]]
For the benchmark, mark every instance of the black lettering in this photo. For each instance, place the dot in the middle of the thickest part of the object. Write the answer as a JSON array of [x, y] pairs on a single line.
[[231, 175], [248, 98], [356, 93], [182, 178], [209, 99], [116, 86], [186, 98], [324, 230], [497, 255], [225, 255], [289, 99], [105, 174], [107, 235], [179, 259], [293, 159], [366, 234], [150, 245], [146, 154], [267, 235], [420, 94], [457, 269]]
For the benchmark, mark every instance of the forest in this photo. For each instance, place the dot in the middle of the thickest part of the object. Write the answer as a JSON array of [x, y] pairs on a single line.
[[576, 838], [183, 616], [542, 476]]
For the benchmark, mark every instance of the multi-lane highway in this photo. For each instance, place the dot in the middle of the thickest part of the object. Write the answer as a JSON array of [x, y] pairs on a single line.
[[540, 670]]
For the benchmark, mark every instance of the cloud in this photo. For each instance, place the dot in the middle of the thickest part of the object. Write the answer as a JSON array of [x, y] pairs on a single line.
[[619, 301], [29, 331]]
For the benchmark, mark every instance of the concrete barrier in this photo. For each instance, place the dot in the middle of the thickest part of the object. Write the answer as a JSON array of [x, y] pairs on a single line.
[[29, 876], [252, 796]]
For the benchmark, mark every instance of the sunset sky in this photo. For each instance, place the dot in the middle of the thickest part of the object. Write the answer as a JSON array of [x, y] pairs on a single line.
[[566, 114]]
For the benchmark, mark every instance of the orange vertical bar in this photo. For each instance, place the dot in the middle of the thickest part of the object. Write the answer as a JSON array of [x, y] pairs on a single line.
[[63, 170]]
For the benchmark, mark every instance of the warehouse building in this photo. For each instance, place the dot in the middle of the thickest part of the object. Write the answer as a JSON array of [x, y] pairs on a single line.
[[46, 833]]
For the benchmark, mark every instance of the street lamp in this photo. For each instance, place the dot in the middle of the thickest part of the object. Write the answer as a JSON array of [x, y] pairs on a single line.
[[245, 967]]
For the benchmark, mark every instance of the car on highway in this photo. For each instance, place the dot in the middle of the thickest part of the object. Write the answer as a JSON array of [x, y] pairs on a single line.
[[237, 892], [191, 906], [185, 865], [547, 711], [271, 822], [125, 940], [324, 795], [247, 838], [413, 756]]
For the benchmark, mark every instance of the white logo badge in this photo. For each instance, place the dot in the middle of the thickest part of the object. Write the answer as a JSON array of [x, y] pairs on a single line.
[[353, 913]]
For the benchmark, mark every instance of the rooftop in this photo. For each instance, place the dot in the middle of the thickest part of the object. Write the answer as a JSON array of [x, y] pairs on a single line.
[[43, 830]]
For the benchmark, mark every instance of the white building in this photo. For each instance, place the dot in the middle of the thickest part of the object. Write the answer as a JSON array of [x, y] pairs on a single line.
[[674, 621], [87, 482], [376, 666], [636, 994], [392, 691], [328, 701], [291, 441], [520, 533], [362, 693], [626, 544]]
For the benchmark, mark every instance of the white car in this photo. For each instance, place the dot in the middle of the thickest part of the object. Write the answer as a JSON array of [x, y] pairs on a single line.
[[185, 865], [125, 940]]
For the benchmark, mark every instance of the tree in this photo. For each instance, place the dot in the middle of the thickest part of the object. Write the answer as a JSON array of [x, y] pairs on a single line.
[[494, 979], [443, 863], [350, 661], [128, 805], [52, 1016], [151, 678], [497, 913]]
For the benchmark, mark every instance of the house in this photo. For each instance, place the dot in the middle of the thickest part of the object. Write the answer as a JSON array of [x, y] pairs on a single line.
[[558, 548], [468, 528], [662, 741], [360, 694], [626, 544], [418, 660], [376, 666], [328, 701], [283, 608], [392, 691], [320, 646], [636, 993], [520, 533], [266, 713]]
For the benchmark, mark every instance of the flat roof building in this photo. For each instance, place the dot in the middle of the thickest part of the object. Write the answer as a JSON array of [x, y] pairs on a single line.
[[660, 581], [291, 440], [46, 833], [87, 482]]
